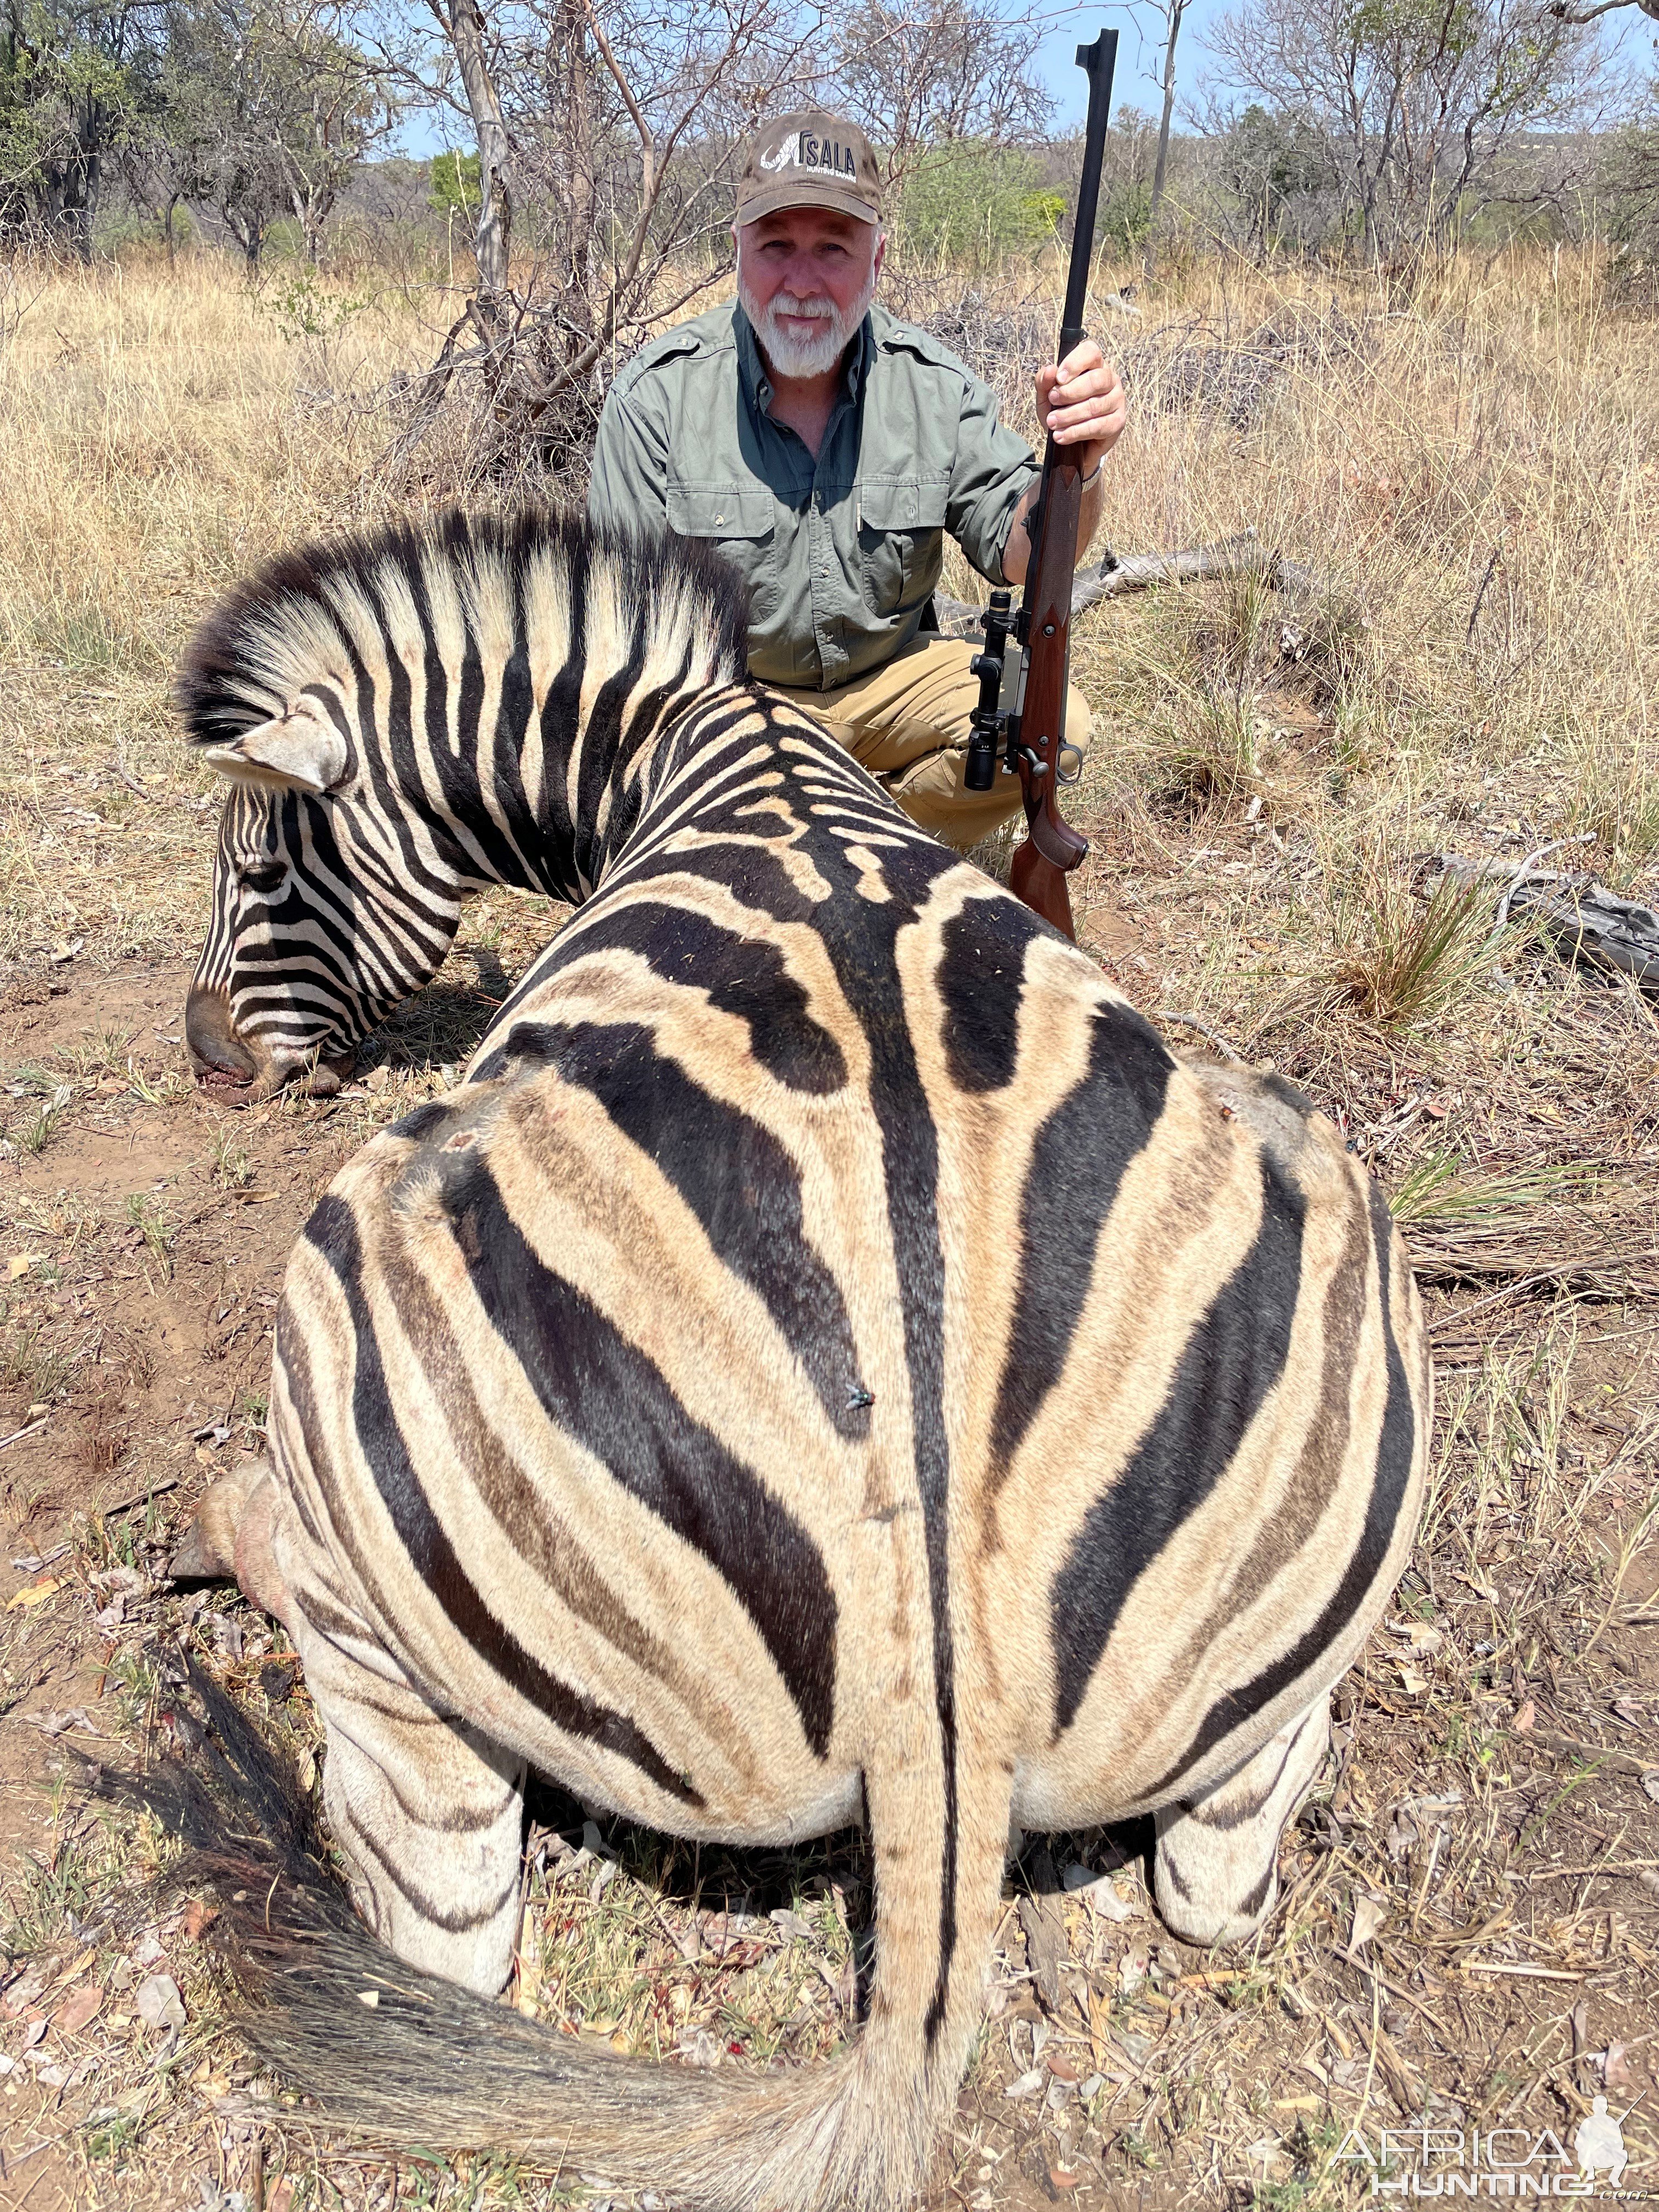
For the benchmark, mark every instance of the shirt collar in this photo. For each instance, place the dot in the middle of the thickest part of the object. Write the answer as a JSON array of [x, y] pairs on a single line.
[[758, 385]]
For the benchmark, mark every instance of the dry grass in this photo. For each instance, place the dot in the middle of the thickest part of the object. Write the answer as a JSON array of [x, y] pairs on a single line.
[[1474, 474]]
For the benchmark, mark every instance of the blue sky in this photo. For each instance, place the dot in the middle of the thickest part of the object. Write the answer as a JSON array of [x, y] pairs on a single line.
[[1630, 35]]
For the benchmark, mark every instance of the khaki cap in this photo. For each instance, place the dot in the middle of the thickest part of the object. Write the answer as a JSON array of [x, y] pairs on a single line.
[[809, 159]]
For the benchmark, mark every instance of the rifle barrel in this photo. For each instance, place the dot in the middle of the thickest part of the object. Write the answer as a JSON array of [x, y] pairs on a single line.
[[1100, 60]]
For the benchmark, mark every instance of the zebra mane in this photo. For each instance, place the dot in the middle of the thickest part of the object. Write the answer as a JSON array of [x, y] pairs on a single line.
[[302, 620]]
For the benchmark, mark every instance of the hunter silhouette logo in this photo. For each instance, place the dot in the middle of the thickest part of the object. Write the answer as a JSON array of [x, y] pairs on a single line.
[[802, 150], [1421, 2159], [1600, 2142]]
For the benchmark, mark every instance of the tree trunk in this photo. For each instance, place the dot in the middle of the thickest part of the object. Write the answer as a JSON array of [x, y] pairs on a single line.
[[166, 229], [492, 236], [581, 172], [1177, 10]]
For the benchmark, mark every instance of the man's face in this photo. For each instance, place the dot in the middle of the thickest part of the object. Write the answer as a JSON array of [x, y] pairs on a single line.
[[805, 278]]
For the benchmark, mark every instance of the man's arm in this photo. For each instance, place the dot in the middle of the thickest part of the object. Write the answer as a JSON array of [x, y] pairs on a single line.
[[1082, 403], [630, 468]]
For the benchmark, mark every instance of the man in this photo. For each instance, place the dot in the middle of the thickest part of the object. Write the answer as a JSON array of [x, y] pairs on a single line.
[[824, 448]]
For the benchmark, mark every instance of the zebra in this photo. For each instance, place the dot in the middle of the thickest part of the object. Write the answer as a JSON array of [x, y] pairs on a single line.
[[827, 1359]]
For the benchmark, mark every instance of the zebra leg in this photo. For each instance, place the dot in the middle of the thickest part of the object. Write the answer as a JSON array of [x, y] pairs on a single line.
[[1217, 1864], [430, 1814]]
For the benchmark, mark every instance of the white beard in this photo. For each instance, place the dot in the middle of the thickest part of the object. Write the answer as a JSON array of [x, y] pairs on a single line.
[[789, 355]]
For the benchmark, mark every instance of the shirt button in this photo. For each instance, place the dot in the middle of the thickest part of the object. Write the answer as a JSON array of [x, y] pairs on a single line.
[[720, 518]]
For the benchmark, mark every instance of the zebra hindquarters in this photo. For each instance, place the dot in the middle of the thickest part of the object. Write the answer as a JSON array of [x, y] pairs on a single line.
[[1217, 1858]]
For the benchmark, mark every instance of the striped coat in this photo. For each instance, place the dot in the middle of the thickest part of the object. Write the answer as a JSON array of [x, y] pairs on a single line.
[[826, 1354]]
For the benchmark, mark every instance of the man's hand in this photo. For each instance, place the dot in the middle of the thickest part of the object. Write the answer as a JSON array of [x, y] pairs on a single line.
[[1081, 402]]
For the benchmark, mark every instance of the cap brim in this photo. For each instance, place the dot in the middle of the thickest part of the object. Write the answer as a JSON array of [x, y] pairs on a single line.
[[774, 198]]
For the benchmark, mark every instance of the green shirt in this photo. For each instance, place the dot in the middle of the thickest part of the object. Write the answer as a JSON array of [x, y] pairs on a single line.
[[841, 555]]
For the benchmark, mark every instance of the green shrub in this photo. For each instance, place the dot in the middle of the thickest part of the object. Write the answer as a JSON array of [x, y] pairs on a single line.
[[455, 184], [973, 204]]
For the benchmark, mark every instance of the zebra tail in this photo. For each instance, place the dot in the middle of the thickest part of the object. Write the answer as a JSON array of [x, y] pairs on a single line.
[[388, 2051]]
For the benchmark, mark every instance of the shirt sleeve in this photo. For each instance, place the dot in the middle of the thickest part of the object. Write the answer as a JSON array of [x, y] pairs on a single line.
[[628, 490], [992, 470]]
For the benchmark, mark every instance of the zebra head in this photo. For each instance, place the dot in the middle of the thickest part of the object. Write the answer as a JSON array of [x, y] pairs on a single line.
[[313, 939], [329, 906], [404, 719]]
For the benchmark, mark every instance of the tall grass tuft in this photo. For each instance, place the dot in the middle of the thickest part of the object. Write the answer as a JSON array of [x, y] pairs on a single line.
[[1403, 959]]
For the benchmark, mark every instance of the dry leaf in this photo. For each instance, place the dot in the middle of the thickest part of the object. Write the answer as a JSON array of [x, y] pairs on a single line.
[[1027, 2086], [1062, 2069], [36, 1593], [20, 1263], [1614, 2072], [74, 2014], [1368, 1915], [199, 1915], [1525, 1717], [1060, 2178], [1412, 1680], [1651, 1784], [158, 2004]]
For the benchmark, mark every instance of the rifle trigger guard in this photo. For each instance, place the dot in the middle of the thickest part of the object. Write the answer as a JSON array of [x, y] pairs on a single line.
[[1069, 768]]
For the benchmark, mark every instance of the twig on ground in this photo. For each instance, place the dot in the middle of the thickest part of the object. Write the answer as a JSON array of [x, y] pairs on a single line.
[[1192, 1021], [140, 1497]]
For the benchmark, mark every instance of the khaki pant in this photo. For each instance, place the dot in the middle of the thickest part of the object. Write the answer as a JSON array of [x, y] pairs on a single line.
[[907, 722]]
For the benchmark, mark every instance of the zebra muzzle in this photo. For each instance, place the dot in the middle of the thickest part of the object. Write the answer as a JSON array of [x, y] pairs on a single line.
[[219, 1060]]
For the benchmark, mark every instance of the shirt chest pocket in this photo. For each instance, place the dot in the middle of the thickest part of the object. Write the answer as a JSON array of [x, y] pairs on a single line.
[[900, 550], [740, 524]]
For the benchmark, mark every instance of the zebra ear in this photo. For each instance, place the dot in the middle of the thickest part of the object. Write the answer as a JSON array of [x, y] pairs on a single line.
[[303, 750]]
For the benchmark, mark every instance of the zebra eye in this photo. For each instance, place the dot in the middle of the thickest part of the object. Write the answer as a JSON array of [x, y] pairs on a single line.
[[262, 875]]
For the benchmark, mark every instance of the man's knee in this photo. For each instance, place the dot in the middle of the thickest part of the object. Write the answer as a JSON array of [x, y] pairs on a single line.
[[1080, 719]]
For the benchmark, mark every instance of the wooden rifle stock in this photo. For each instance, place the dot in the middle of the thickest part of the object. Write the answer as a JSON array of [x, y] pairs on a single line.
[[1052, 848]]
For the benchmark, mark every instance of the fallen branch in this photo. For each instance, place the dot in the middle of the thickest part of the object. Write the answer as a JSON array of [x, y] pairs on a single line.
[[1584, 919], [1242, 555]]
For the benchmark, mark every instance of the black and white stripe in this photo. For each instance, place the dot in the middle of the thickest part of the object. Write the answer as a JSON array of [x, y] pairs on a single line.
[[827, 1347]]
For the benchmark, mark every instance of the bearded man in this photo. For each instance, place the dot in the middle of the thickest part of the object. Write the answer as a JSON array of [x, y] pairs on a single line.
[[824, 448]]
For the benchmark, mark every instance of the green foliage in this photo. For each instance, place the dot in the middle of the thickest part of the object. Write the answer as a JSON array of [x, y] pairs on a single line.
[[969, 203], [1270, 164], [302, 308], [456, 186], [77, 79], [1126, 210]]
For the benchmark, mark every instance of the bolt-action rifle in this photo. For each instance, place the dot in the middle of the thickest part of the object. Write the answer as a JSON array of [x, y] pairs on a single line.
[[1032, 738]]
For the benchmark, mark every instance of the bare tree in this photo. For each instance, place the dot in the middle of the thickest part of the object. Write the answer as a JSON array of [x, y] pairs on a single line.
[[605, 143], [1568, 13], [939, 71], [1417, 102]]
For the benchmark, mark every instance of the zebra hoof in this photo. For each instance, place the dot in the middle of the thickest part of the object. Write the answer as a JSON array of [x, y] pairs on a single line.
[[207, 1553]]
